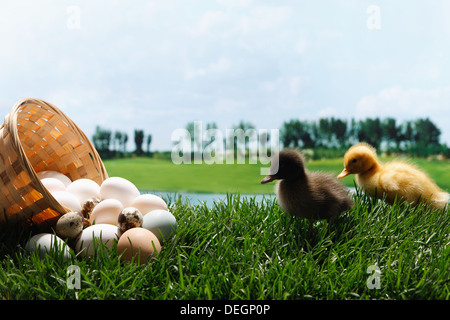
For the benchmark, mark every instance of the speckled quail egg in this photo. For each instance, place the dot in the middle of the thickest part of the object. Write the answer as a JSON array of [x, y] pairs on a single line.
[[69, 225], [87, 207], [130, 217]]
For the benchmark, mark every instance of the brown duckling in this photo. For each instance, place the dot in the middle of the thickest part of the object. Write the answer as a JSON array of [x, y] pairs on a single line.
[[310, 195]]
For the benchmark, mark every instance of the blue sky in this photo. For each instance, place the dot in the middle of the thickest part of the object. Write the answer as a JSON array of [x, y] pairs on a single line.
[[157, 65]]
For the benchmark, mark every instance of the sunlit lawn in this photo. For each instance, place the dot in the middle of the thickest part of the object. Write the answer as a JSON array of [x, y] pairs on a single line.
[[163, 175], [245, 249]]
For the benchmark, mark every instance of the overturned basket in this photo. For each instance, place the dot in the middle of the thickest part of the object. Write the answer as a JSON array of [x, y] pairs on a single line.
[[37, 136]]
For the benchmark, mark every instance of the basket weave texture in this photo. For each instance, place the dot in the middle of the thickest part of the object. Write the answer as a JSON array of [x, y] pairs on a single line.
[[36, 136]]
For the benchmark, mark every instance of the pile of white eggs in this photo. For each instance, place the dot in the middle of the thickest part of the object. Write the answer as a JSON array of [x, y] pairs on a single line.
[[113, 211]]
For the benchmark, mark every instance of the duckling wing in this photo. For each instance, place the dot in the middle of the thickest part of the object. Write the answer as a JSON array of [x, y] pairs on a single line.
[[405, 181], [390, 181], [329, 195]]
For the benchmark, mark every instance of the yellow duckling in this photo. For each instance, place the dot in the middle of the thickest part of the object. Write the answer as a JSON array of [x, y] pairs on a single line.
[[392, 179]]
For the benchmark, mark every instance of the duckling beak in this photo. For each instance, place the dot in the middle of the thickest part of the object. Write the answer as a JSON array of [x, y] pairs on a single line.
[[343, 174], [267, 179]]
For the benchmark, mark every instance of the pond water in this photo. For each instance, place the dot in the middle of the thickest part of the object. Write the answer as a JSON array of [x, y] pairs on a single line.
[[207, 198], [210, 198]]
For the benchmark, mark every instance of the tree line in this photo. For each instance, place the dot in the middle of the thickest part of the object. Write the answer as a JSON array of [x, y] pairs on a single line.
[[420, 137], [327, 137], [112, 145]]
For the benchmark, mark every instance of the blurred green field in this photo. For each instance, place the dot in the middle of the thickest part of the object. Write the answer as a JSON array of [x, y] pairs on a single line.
[[163, 175]]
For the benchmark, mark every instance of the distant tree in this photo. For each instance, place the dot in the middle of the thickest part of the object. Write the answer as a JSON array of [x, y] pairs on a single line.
[[249, 132], [306, 136], [409, 132], [325, 132], [124, 142], [212, 138], [352, 135], [117, 140], [404, 138], [390, 132], [401, 137], [339, 129], [426, 137], [290, 133], [370, 131], [102, 138], [149, 141], [195, 138], [426, 132], [102, 141], [138, 140], [315, 133], [296, 133]]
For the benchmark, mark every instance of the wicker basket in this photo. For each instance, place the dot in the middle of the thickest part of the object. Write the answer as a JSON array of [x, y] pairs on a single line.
[[37, 136]]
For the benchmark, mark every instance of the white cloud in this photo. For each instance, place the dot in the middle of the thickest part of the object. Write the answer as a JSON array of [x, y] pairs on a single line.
[[226, 105], [235, 3], [209, 23], [301, 46], [405, 103], [409, 104], [296, 83], [166, 62], [264, 18], [327, 113], [218, 67]]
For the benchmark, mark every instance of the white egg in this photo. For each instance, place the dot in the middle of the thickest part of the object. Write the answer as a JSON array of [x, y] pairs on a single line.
[[120, 189], [106, 212], [67, 200], [53, 185], [161, 222], [84, 189], [148, 202], [92, 237], [54, 174], [46, 243]]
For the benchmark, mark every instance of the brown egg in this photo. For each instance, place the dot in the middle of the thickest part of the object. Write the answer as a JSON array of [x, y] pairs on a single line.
[[138, 244]]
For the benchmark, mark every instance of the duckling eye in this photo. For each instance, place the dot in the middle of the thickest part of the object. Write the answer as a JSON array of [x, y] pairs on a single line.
[[354, 160]]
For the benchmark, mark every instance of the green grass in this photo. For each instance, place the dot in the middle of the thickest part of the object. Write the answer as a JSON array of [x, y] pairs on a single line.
[[242, 249], [163, 175]]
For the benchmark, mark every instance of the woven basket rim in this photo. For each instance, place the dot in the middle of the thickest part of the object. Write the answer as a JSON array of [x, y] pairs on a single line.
[[10, 125]]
